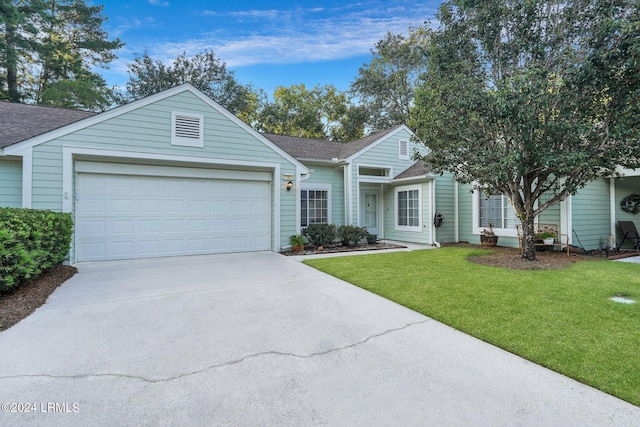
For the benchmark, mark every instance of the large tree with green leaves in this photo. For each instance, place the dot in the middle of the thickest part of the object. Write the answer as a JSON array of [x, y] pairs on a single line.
[[204, 71], [386, 86], [322, 113], [532, 99], [46, 42]]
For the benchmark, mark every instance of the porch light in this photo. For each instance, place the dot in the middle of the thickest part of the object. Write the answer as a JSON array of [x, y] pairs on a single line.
[[289, 185]]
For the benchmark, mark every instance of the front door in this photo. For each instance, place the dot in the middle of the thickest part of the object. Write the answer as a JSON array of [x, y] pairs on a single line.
[[370, 211]]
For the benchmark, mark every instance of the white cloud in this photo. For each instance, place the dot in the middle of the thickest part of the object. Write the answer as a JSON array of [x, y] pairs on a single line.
[[125, 24], [295, 36], [159, 3]]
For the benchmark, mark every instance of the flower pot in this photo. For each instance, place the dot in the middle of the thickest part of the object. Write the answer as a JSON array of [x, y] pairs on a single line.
[[548, 241], [490, 240], [372, 239]]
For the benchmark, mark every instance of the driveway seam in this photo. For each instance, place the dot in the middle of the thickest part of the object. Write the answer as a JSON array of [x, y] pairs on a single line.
[[225, 364]]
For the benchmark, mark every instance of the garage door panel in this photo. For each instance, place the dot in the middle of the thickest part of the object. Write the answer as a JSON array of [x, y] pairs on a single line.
[[119, 216], [122, 226]]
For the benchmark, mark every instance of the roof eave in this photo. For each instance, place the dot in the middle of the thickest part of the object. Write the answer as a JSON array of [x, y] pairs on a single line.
[[410, 179]]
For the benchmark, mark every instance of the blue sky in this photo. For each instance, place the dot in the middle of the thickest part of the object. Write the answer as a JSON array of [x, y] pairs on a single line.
[[266, 43]]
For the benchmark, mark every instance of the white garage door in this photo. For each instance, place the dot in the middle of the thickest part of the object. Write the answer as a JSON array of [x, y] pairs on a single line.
[[123, 216]]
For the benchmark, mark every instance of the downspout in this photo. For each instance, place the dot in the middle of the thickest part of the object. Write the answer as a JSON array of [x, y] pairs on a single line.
[[612, 205], [301, 177], [381, 219], [456, 219], [27, 178], [569, 219], [349, 192]]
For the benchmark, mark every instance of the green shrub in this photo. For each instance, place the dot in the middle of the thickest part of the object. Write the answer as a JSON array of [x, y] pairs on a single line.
[[350, 234], [320, 234], [31, 241]]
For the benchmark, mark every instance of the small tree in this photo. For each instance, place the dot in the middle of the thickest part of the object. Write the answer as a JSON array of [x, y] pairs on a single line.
[[532, 98]]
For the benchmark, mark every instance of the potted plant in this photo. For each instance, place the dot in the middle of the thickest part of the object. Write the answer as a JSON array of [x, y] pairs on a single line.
[[297, 242], [488, 237], [547, 237], [372, 238]]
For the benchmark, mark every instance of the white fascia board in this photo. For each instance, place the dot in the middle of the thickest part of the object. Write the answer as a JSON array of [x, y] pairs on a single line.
[[628, 172], [422, 178], [379, 141]]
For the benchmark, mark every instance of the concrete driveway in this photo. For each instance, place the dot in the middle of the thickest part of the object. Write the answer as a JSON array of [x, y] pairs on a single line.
[[260, 339]]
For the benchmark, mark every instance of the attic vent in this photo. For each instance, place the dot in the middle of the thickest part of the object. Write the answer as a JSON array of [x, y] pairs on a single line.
[[187, 129], [403, 150]]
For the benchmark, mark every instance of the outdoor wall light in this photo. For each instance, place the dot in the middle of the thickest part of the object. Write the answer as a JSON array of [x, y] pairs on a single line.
[[289, 185]]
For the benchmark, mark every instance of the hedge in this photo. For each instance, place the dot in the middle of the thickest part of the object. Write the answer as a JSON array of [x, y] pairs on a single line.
[[31, 241]]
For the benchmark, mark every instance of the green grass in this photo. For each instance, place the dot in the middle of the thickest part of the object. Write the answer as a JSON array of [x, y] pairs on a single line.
[[561, 319]]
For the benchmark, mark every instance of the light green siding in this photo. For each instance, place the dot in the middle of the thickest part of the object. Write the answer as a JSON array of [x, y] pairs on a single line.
[[466, 225], [591, 217], [147, 129], [334, 177], [465, 212], [390, 216], [10, 183], [551, 215], [626, 187], [445, 204]]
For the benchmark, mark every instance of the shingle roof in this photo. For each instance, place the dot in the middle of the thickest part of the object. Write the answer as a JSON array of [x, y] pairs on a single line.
[[23, 121], [306, 148], [418, 169], [316, 149]]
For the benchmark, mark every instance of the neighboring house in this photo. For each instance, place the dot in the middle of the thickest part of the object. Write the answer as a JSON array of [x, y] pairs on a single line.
[[588, 219], [177, 174]]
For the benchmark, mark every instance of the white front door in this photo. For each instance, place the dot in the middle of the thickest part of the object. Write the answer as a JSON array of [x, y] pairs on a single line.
[[370, 210]]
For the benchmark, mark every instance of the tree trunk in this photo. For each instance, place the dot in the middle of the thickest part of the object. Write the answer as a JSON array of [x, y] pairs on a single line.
[[12, 62], [528, 239]]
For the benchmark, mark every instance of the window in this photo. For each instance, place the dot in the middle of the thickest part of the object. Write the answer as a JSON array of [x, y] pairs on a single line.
[[187, 129], [373, 171], [314, 208], [408, 209], [497, 211]]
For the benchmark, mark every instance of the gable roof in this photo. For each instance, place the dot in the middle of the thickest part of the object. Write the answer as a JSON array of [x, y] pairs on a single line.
[[23, 121], [316, 149], [89, 119]]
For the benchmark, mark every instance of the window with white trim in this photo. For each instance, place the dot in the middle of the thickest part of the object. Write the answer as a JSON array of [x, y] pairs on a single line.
[[314, 206], [187, 129], [495, 210], [409, 208]]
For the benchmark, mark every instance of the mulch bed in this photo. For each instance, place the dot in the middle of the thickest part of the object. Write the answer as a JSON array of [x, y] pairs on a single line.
[[18, 303], [310, 250], [511, 258]]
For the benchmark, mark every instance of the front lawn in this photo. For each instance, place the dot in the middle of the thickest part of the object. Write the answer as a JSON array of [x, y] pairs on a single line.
[[561, 319]]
